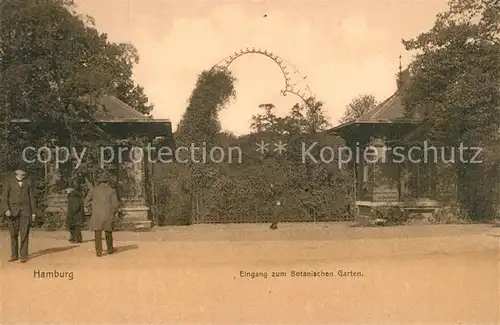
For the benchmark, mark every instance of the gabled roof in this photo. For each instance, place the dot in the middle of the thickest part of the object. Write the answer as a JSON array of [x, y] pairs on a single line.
[[389, 111], [118, 116], [115, 109]]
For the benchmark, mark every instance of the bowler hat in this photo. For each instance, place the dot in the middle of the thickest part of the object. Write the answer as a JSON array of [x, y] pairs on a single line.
[[20, 166]]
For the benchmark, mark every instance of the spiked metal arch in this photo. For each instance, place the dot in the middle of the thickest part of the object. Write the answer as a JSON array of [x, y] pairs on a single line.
[[290, 73]]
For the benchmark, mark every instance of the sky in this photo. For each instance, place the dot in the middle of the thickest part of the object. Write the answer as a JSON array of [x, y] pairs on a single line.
[[340, 49]]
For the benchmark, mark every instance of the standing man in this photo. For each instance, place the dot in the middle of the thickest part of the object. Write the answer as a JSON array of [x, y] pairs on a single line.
[[18, 197], [276, 208], [306, 199], [103, 204], [76, 214]]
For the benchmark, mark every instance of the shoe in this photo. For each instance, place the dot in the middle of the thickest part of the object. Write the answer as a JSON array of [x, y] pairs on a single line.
[[98, 254], [13, 259], [273, 226], [111, 251], [72, 240], [24, 260]]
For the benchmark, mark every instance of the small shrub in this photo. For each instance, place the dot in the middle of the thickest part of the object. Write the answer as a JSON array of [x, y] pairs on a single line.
[[3, 223], [451, 214], [392, 215], [52, 221]]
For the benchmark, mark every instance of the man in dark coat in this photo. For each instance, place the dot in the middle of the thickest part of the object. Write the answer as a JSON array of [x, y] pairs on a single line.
[[18, 198], [103, 204], [76, 215], [306, 199], [276, 208]]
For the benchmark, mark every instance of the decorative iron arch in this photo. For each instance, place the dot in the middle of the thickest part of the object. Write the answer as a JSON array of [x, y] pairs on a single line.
[[290, 73]]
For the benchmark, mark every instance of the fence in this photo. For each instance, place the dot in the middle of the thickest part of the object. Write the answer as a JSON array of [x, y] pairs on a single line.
[[213, 208]]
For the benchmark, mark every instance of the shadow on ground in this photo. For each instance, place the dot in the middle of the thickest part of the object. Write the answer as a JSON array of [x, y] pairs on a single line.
[[89, 240], [120, 249], [51, 251]]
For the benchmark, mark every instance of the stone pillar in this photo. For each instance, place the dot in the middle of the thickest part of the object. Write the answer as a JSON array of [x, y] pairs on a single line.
[[135, 209], [56, 199], [385, 175], [138, 177]]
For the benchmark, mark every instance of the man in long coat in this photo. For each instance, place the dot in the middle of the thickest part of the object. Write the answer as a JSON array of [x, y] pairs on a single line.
[[103, 204], [18, 198]]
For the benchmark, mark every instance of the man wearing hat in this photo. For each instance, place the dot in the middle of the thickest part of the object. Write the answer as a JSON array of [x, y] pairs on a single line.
[[18, 198], [103, 204], [276, 208], [75, 213]]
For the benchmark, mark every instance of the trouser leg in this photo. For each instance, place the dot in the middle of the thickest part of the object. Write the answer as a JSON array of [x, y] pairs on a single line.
[[71, 233], [98, 241], [276, 216], [14, 237], [24, 232], [109, 240], [78, 234], [307, 211]]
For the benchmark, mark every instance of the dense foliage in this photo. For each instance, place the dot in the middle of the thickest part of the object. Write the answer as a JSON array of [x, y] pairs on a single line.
[[199, 127], [241, 191], [54, 67], [454, 84]]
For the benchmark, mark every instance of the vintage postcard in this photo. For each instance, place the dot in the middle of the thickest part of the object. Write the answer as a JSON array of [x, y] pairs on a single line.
[[250, 162]]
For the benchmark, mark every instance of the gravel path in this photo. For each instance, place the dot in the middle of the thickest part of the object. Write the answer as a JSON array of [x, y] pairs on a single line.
[[215, 275]]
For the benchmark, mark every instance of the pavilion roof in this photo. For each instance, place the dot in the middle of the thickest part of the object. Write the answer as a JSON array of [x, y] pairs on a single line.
[[119, 116], [390, 111], [116, 110]]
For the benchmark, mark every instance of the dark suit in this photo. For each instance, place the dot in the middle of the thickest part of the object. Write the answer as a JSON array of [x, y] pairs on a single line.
[[76, 216], [276, 207], [20, 200]]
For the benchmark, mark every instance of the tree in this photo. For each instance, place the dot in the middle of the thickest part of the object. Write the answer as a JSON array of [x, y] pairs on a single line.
[[54, 67], [200, 125], [125, 89], [304, 125], [357, 107], [455, 85], [233, 192], [200, 122], [265, 121], [455, 76]]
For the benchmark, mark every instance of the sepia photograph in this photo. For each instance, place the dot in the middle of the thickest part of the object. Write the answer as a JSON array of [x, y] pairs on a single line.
[[250, 162]]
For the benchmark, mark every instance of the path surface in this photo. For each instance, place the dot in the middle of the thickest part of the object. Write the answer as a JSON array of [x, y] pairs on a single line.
[[192, 275]]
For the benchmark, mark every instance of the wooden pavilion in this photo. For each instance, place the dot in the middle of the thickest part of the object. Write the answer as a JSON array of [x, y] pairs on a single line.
[[384, 179], [122, 122]]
